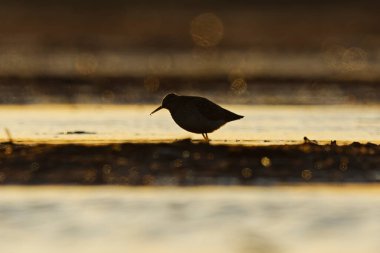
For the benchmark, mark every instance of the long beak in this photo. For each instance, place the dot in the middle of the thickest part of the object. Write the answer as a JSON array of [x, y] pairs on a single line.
[[159, 108]]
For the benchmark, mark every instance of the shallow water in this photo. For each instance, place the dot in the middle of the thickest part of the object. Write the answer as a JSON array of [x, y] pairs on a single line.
[[261, 124], [203, 219]]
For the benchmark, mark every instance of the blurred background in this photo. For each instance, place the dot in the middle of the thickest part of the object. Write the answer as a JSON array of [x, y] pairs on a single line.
[[256, 52], [293, 68]]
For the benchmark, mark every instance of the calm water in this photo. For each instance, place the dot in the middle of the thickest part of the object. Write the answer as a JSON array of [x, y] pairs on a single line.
[[202, 219], [262, 124]]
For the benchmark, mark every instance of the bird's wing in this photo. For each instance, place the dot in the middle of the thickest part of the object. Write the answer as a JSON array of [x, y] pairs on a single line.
[[213, 111]]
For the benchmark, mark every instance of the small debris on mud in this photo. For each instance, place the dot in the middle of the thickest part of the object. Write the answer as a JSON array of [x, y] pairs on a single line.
[[187, 163]]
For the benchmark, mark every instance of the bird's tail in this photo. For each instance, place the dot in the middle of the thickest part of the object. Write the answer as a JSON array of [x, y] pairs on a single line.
[[235, 116]]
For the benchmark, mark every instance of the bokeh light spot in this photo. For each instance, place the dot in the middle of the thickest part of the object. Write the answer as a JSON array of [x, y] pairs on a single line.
[[354, 59], [177, 163], [151, 83], [207, 30], [148, 179], [345, 59], [186, 154], [8, 150], [247, 172], [239, 86], [89, 176], [197, 156], [34, 166], [266, 162], [307, 174], [107, 169]]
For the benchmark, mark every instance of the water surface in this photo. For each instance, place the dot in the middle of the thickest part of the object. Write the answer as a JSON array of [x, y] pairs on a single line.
[[261, 124], [202, 219]]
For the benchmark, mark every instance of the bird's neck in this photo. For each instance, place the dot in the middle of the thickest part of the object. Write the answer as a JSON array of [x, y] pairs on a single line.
[[173, 106]]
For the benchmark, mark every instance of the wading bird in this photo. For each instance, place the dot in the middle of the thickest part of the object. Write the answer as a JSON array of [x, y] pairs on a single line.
[[196, 114]]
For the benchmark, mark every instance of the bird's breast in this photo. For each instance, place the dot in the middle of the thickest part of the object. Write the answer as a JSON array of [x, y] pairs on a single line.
[[191, 119]]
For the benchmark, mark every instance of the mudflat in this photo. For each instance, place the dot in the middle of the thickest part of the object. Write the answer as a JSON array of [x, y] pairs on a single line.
[[187, 162]]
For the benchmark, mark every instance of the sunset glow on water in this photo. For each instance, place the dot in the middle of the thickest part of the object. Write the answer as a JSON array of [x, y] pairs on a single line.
[[261, 124], [85, 168], [203, 219]]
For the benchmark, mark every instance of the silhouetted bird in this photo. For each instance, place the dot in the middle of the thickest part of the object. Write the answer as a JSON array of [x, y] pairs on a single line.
[[196, 114]]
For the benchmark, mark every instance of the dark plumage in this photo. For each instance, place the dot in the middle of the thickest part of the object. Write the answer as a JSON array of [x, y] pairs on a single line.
[[196, 114]]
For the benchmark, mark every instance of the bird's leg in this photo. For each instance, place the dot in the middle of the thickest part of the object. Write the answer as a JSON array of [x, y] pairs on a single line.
[[205, 137]]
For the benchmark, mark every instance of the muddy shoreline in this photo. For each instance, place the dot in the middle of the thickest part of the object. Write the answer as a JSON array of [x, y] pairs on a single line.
[[187, 163]]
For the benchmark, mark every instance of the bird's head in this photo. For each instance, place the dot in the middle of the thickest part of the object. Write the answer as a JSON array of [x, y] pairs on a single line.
[[168, 102]]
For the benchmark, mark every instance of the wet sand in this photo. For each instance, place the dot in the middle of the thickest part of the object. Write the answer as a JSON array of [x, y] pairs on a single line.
[[188, 162]]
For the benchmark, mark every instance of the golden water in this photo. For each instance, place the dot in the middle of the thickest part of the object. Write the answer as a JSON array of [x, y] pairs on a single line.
[[203, 219], [261, 124]]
